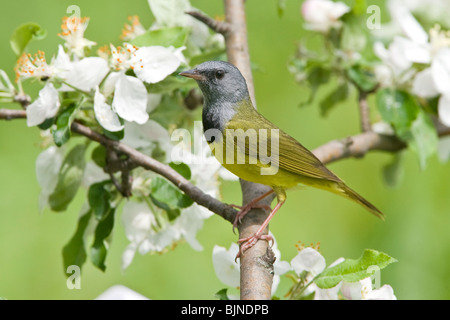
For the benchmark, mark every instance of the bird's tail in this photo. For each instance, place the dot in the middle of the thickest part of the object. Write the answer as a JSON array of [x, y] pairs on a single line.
[[353, 195]]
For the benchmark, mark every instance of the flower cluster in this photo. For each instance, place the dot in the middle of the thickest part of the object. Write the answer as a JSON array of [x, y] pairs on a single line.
[[126, 92], [307, 266]]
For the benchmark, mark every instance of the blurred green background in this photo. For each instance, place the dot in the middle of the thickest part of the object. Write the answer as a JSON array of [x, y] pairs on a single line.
[[416, 231]]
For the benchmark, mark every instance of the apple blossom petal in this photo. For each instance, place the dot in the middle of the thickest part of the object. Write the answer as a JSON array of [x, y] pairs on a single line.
[[440, 69], [409, 25], [104, 114], [309, 260], [153, 64], [322, 15], [444, 109], [119, 292], [87, 73], [226, 269], [130, 99], [423, 84], [45, 106], [384, 293]]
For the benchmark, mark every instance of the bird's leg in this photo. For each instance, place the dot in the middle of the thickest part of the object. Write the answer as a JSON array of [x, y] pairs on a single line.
[[251, 205], [247, 243]]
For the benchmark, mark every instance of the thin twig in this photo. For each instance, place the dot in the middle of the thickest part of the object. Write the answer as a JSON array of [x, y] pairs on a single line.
[[215, 25]]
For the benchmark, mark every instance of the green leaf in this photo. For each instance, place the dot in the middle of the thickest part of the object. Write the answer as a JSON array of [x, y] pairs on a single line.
[[393, 171], [354, 36], [118, 135], [181, 168], [316, 77], [168, 197], [99, 248], [99, 199], [166, 37], [222, 294], [352, 270], [169, 12], [340, 94], [62, 132], [24, 34], [398, 108], [98, 155], [424, 140], [69, 178], [74, 252], [364, 79]]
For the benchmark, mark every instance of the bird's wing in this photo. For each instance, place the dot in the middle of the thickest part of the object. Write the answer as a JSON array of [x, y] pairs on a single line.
[[291, 155]]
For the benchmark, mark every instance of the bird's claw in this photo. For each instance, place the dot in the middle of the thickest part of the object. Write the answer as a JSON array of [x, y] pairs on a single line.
[[247, 243], [243, 210]]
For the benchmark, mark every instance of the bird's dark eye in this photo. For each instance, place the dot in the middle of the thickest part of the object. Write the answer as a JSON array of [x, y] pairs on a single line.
[[220, 74]]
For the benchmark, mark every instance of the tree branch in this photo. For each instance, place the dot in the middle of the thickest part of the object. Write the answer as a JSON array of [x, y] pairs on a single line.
[[215, 25], [257, 262], [146, 162], [364, 111]]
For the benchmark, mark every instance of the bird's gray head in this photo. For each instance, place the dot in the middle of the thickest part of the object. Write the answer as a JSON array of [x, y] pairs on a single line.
[[219, 81]]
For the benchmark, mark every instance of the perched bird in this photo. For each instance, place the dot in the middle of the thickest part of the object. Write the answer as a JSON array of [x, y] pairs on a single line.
[[253, 148]]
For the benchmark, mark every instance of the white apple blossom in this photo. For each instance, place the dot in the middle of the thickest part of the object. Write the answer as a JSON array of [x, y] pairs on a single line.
[[362, 290], [309, 260], [417, 47], [153, 64], [45, 106], [73, 29], [132, 30], [144, 228], [323, 15]]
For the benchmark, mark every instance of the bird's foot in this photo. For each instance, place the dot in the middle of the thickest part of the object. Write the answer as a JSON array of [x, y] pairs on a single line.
[[243, 210], [247, 243]]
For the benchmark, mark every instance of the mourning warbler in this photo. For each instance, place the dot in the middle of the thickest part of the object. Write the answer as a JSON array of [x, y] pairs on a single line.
[[253, 148]]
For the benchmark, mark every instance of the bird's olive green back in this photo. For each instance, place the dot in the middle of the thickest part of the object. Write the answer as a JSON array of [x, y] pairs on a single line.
[[293, 157]]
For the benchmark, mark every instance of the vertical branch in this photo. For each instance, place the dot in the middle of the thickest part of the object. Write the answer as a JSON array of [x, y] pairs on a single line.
[[257, 262], [364, 111]]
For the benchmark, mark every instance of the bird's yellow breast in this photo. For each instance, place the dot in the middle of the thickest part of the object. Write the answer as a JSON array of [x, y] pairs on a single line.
[[251, 168]]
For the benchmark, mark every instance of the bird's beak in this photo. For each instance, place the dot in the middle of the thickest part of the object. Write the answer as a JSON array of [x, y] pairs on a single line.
[[193, 74]]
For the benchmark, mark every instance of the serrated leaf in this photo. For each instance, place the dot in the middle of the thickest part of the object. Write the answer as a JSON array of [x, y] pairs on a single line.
[[352, 270], [181, 168], [74, 252], [166, 37], [69, 178], [99, 248], [61, 134], [24, 34]]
